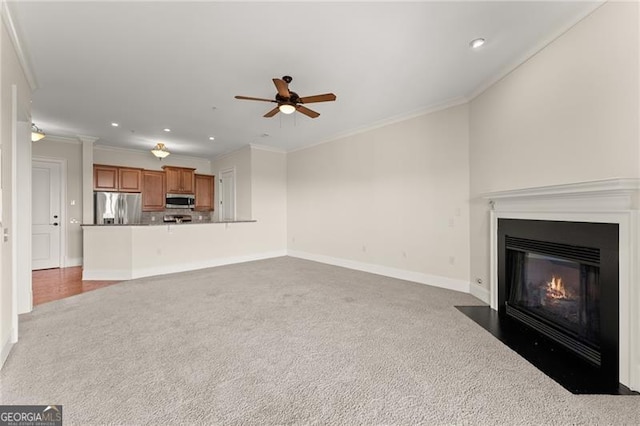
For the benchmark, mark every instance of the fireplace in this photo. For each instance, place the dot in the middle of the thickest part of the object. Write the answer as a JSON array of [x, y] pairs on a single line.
[[560, 279]]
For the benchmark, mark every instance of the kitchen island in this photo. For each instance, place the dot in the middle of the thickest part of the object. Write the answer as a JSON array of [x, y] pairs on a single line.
[[123, 252]]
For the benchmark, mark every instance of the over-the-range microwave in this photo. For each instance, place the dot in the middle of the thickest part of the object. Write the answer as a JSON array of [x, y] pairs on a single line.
[[180, 201]]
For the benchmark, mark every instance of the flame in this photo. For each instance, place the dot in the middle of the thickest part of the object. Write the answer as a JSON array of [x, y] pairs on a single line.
[[555, 288]]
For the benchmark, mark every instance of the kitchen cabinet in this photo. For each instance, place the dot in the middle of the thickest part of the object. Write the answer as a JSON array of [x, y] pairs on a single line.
[[179, 180], [153, 190], [113, 178], [105, 178], [204, 192], [129, 179]]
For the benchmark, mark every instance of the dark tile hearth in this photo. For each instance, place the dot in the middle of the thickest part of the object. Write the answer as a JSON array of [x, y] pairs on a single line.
[[572, 372]]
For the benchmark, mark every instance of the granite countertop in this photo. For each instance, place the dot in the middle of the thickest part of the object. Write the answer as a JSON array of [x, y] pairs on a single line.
[[160, 223]]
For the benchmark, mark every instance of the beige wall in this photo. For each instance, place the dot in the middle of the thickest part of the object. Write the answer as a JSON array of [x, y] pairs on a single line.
[[394, 197], [71, 153], [269, 195], [569, 114], [11, 74]]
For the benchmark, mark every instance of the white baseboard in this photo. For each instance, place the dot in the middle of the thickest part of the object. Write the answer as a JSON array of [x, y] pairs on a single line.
[[6, 348], [419, 277], [481, 293], [72, 261], [106, 274], [126, 274]]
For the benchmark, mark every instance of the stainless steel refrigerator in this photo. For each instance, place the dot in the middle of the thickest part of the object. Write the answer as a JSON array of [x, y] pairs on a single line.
[[117, 208]]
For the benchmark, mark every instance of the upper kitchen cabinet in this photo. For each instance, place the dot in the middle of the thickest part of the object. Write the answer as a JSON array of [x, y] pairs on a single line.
[[204, 192], [129, 180], [180, 180], [113, 178], [153, 191]]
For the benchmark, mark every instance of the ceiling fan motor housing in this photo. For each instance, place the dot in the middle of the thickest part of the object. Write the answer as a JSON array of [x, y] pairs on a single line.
[[293, 97]]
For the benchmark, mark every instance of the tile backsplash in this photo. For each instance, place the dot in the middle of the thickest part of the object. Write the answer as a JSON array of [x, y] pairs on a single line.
[[148, 217]]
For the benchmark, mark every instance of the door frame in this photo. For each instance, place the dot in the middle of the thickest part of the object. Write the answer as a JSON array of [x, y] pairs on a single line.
[[231, 170], [63, 202], [22, 221]]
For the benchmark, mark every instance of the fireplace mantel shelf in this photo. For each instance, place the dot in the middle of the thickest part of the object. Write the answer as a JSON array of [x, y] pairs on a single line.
[[591, 188], [619, 194]]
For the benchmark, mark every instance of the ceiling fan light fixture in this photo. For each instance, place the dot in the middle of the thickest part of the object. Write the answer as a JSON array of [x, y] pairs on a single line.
[[287, 108], [36, 133], [160, 151]]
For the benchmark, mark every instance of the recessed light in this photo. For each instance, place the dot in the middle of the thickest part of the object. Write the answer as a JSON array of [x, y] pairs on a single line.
[[114, 124], [211, 138], [167, 130], [477, 43]]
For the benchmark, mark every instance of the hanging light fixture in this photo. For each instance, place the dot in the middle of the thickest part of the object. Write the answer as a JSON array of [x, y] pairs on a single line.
[[160, 151], [287, 108], [36, 133]]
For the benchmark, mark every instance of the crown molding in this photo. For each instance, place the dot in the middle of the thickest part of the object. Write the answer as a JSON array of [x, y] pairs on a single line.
[[267, 148], [389, 121], [62, 139], [21, 53], [230, 153], [84, 138]]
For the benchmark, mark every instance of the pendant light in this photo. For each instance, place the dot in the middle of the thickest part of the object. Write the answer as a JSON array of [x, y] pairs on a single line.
[[36, 133], [160, 151]]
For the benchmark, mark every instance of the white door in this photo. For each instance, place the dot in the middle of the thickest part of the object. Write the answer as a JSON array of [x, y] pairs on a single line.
[[228, 195], [46, 217]]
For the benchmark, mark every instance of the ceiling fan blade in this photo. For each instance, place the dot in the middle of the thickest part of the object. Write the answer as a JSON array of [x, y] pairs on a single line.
[[283, 87], [249, 98], [271, 113], [308, 112], [318, 98]]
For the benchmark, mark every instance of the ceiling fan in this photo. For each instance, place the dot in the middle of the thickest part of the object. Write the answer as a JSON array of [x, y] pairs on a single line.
[[289, 102]]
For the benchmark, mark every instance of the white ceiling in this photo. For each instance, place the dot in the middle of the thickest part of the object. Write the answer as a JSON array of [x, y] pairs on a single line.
[[178, 65]]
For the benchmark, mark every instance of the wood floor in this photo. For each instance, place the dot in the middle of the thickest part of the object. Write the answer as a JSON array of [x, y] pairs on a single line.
[[58, 283]]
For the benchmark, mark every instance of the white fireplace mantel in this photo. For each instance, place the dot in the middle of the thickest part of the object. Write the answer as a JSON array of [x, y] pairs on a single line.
[[603, 201]]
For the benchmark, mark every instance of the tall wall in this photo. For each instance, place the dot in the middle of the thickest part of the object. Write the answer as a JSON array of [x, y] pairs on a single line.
[[569, 114], [12, 110], [269, 195], [393, 199]]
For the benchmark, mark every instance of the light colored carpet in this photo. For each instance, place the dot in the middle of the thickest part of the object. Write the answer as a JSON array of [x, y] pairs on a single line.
[[282, 341]]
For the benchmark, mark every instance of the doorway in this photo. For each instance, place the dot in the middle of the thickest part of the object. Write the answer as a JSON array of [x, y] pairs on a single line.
[[47, 220]]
